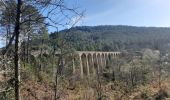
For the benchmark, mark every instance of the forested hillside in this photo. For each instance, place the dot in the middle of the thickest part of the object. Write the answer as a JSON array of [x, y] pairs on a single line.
[[114, 38], [38, 65]]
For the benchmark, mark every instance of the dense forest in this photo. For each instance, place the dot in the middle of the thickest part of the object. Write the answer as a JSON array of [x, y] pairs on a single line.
[[116, 38], [38, 65]]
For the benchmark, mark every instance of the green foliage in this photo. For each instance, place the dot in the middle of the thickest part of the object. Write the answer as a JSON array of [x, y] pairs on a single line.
[[8, 95], [43, 77], [114, 38], [29, 72], [131, 70]]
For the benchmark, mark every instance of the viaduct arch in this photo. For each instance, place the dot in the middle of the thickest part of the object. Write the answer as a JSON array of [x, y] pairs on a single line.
[[92, 62]]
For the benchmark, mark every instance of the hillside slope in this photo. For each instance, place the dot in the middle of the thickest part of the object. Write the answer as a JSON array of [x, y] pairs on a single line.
[[113, 38]]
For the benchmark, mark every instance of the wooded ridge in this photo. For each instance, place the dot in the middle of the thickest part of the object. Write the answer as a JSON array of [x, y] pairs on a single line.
[[115, 38]]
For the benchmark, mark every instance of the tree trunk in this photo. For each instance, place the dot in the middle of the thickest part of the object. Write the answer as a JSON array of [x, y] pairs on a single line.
[[24, 53], [41, 54], [56, 80], [56, 84], [17, 52], [28, 44], [28, 38], [99, 92]]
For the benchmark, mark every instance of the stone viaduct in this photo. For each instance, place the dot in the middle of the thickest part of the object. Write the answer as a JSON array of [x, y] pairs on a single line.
[[94, 61], [90, 62]]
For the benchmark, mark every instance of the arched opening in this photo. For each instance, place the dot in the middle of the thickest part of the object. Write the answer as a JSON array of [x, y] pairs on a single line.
[[99, 62], [107, 60], [112, 57], [95, 62], [91, 64], [84, 64], [103, 61]]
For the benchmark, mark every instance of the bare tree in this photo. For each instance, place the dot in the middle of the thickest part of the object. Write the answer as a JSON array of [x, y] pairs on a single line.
[[55, 12]]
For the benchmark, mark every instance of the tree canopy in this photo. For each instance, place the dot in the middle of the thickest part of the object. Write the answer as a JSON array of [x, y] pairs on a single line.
[[115, 38]]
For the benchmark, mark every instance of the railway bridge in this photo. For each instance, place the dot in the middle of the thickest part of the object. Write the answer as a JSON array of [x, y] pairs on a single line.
[[90, 62], [94, 61]]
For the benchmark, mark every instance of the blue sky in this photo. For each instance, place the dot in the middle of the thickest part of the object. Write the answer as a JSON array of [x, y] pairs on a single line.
[[123, 12], [126, 12]]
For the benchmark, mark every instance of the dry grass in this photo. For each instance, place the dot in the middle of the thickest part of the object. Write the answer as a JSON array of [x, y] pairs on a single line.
[[110, 91]]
